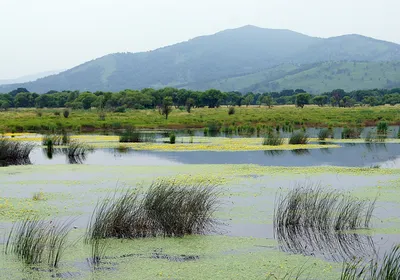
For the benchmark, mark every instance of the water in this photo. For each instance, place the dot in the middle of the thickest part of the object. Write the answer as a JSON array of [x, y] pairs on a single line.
[[351, 155]]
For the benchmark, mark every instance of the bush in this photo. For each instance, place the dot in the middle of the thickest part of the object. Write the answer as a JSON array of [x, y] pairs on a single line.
[[272, 140], [298, 138], [56, 113], [231, 110], [66, 114], [120, 109]]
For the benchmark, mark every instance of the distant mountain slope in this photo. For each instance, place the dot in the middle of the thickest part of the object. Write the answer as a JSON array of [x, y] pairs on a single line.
[[238, 59], [29, 78]]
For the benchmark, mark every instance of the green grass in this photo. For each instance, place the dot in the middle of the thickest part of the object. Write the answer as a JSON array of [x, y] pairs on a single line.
[[25, 120]]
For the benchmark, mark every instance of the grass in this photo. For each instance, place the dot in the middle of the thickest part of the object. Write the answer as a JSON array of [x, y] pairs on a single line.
[[168, 208], [386, 269], [14, 152], [34, 241], [21, 120], [132, 135], [298, 138], [325, 133], [272, 139], [351, 132]]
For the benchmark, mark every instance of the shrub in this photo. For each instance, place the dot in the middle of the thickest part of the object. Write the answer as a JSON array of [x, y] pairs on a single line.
[[231, 110], [57, 113], [272, 139], [120, 109], [298, 138], [66, 113]]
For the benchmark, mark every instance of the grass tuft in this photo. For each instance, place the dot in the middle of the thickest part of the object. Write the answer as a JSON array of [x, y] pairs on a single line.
[[298, 138]]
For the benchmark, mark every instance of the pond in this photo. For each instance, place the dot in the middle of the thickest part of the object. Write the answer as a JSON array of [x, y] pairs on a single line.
[[243, 244]]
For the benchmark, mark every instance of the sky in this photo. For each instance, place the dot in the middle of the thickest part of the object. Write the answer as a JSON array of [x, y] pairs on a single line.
[[45, 35]]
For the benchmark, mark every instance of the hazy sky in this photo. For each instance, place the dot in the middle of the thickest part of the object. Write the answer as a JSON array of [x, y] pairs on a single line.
[[42, 35]]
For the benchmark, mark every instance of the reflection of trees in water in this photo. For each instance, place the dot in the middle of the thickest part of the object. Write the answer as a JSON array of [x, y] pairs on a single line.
[[301, 152], [274, 153], [331, 245], [326, 151]]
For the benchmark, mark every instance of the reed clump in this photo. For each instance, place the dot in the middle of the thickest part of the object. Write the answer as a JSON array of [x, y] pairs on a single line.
[[132, 135], [299, 138], [14, 152], [325, 133], [35, 241], [272, 139]]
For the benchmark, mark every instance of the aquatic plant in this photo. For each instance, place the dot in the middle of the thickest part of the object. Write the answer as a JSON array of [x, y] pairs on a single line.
[[310, 219], [351, 132], [382, 128], [133, 135], [213, 128], [38, 196], [386, 269], [172, 138], [272, 139], [167, 209], [325, 133], [76, 149], [298, 138], [14, 152], [34, 240]]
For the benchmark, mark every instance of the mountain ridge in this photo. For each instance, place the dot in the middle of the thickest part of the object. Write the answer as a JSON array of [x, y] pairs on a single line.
[[210, 59]]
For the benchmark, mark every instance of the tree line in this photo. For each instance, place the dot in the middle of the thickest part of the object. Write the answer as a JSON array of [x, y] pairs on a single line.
[[161, 98]]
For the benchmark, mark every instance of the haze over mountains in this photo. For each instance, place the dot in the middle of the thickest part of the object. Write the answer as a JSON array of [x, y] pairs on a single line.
[[243, 59]]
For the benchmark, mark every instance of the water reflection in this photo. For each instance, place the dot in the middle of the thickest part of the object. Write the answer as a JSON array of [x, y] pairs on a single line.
[[300, 152]]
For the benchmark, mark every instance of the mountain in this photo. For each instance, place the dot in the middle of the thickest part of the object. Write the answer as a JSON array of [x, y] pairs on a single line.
[[246, 58], [29, 78]]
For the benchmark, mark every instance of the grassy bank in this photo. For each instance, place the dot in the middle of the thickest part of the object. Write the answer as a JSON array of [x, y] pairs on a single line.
[[48, 119]]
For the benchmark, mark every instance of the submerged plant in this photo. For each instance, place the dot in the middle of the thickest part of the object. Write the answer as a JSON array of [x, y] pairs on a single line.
[[298, 138], [34, 240]]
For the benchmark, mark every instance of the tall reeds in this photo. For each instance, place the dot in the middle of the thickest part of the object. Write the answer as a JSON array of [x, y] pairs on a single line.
[[298, 138], [272, 139], [34, 240], [14, 152], [132, 135]]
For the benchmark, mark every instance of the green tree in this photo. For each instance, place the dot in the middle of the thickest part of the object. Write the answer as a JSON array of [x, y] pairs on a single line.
[[86, 98], [302, 99], [166, 107], [189, 104], [268, 100], [319, 100]]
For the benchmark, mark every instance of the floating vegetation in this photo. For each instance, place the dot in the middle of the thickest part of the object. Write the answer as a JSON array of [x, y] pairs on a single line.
[[309, 218], [34, 240], [298, 138], [14, 153], [272, 139]]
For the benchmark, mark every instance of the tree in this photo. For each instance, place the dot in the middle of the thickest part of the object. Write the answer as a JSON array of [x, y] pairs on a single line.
[[267, 100], [248, 100], [189, 104], [86, 98], [166, 107], [302, 99], [4, 105], [320, 100]]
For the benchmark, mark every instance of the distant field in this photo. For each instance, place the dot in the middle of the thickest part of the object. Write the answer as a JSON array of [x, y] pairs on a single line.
[[30, 120]]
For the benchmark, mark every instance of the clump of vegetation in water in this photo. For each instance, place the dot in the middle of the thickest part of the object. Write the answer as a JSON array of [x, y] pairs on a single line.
[[351, 132], [298, 138], [325, 133], [314, 207], [172, 138], [382, 128], [76, 152], [14, 152], [34, 241], [386, 269], [272, 139], [133, 135], [168, 208], [56, 139], [38, 196], [212, 129]]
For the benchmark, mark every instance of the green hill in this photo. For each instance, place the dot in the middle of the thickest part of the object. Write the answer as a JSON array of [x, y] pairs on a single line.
[[247, 58]]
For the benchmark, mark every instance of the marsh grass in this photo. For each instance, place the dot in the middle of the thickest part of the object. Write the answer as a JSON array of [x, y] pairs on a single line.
[[352, 132], [34, 241], [38, 196], [386, 269], [168, 208], [325, 133], [272, 139], [132, 135], [298, 138], [14, 152]]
